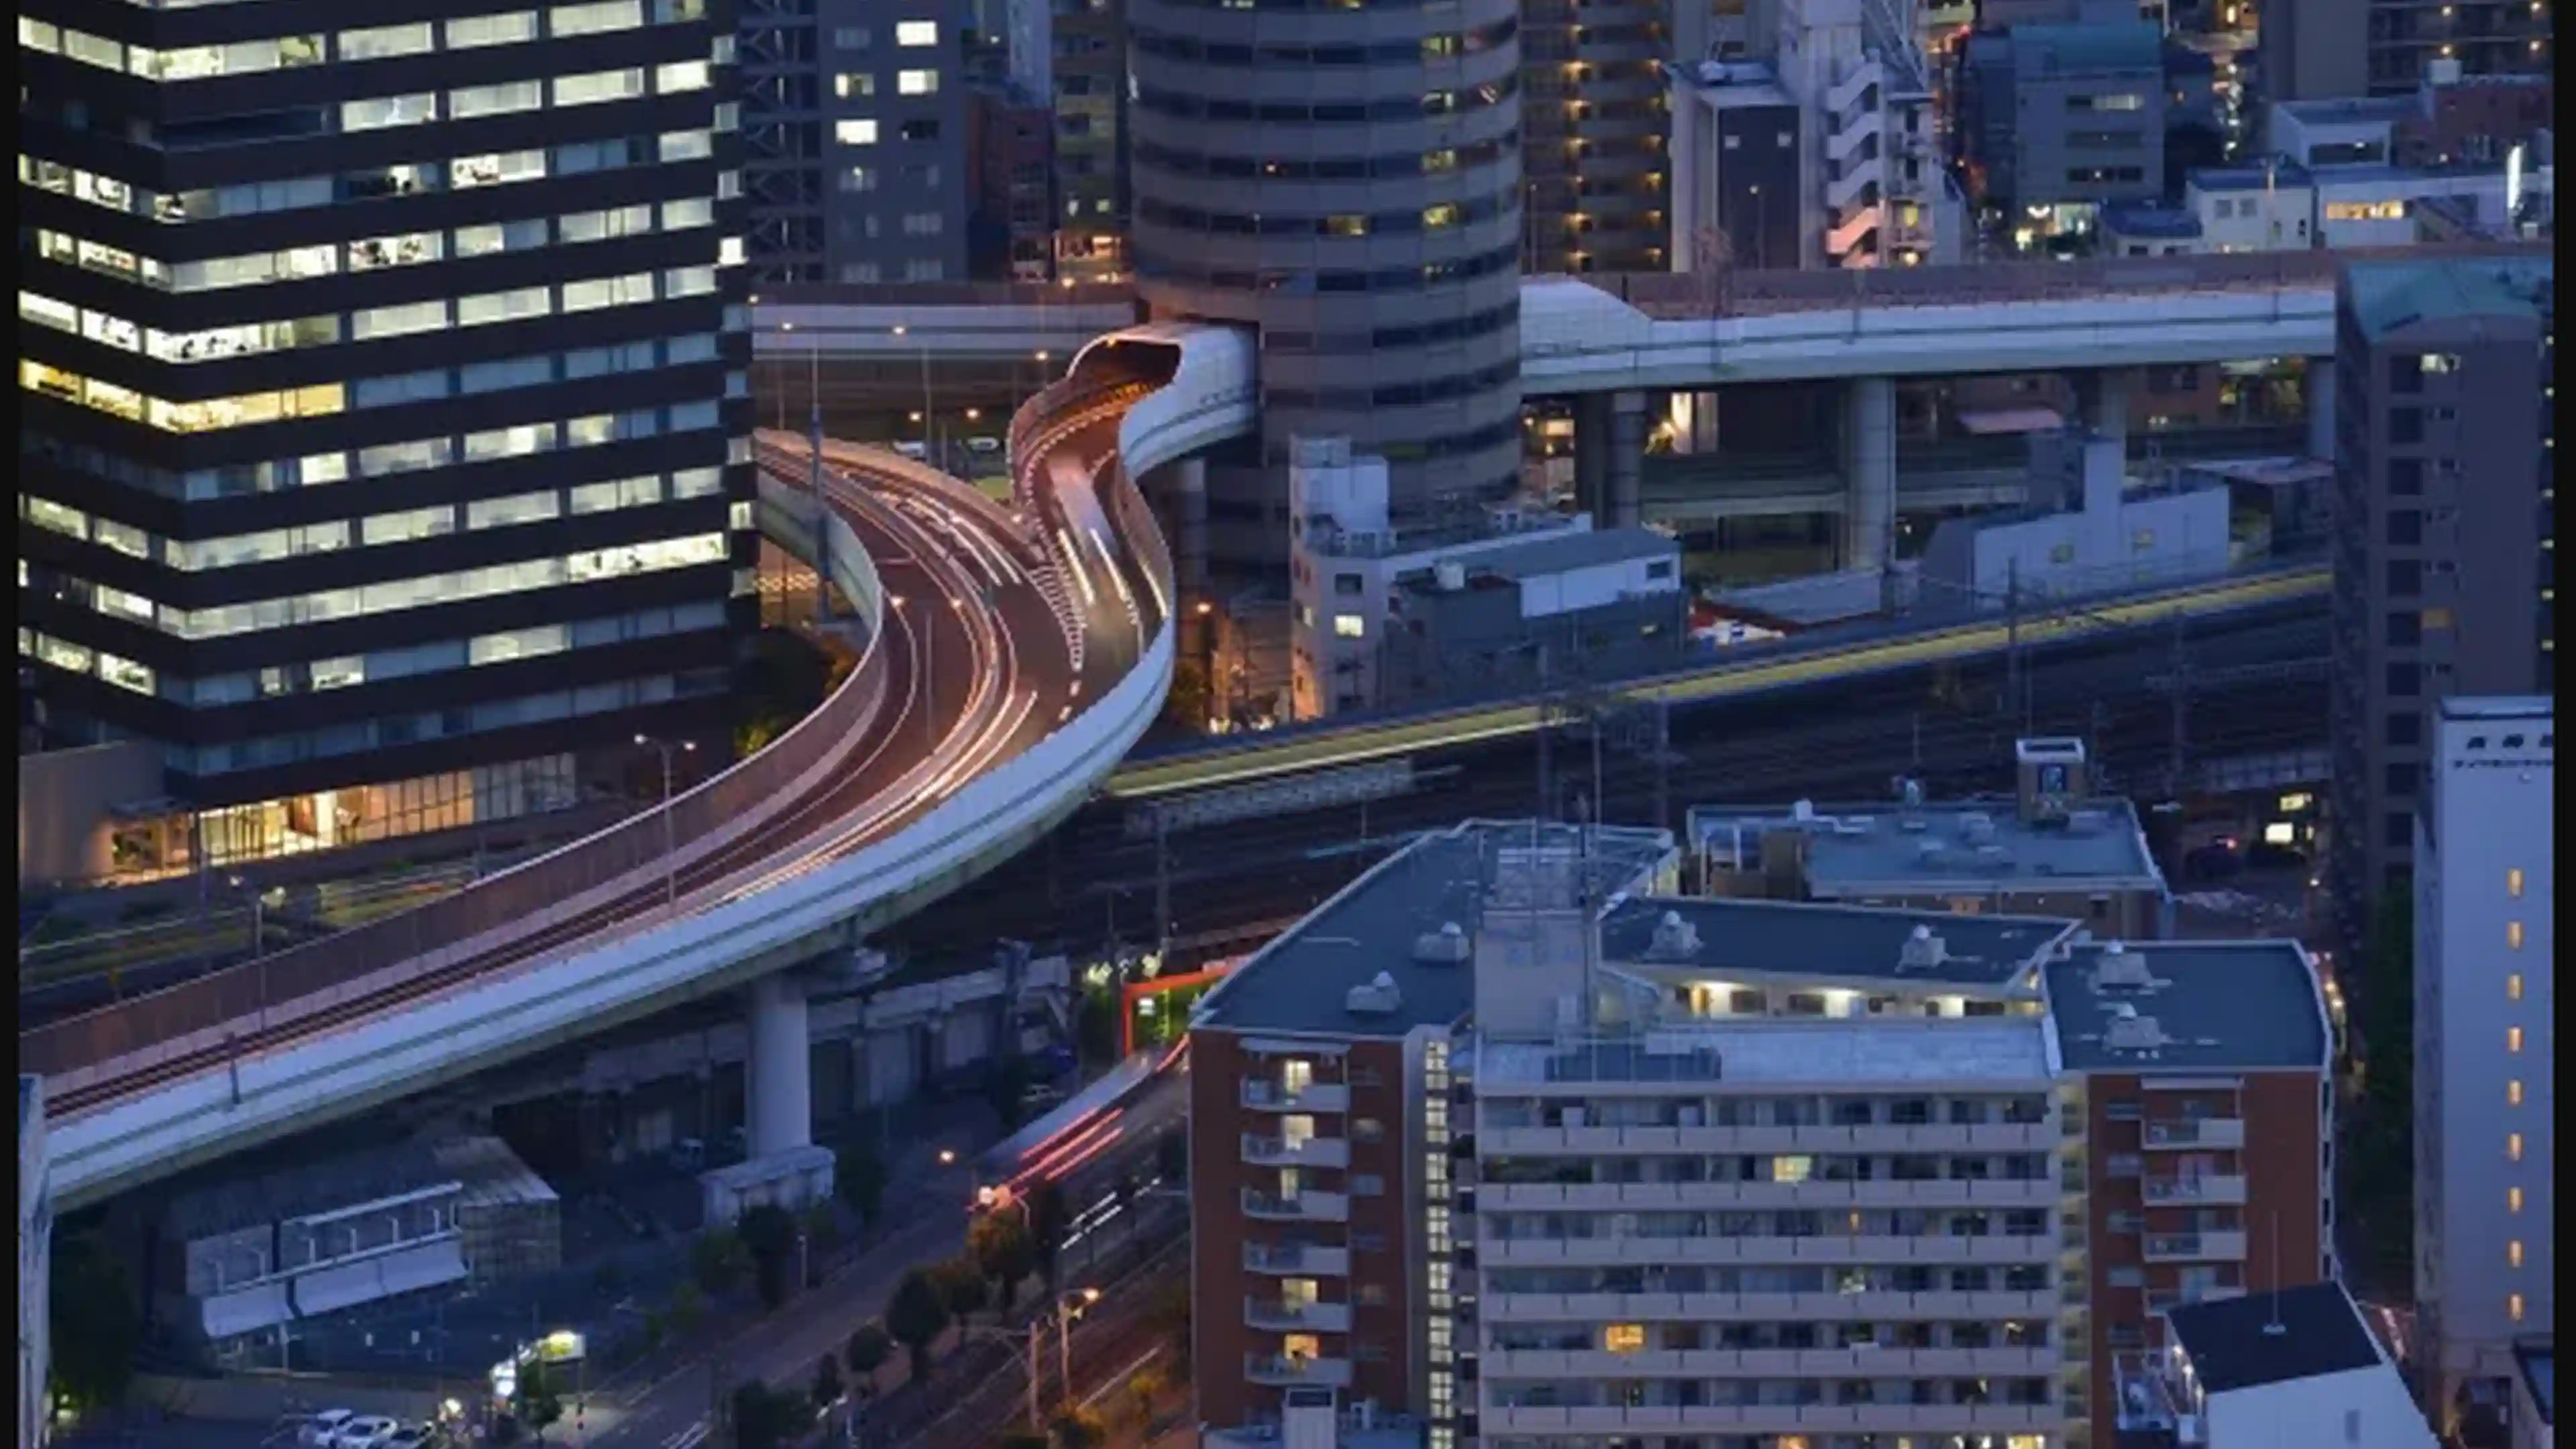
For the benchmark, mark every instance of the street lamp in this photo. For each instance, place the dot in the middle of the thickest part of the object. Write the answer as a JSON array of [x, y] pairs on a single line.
[[928, 410], [670, 848], [1067, 1309]]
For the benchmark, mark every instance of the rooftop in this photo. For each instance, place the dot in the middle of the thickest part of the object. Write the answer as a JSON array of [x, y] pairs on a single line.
[[2149, 219], [2256, 1339], [1301, 983], [2535, 708], [1555, 553], [2061, 50], [2283, 176], [2381, 111], [1734, 938], [304, 1190], [2390, 296], [2187, 1006], [1857, 1053], [1883, 847]]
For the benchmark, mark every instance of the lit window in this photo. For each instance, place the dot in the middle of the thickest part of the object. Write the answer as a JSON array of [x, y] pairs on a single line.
[[2513, 882], [2513, 987], [2513, 1147], [1792, 1169], [916, 83], [2513, 1307], [2513, 1039], [1623, 1338], [2513, 1252], [854, 84], [1350, 626], [2513, 1199], [913, 34], [862, 132], [2513, 1092]]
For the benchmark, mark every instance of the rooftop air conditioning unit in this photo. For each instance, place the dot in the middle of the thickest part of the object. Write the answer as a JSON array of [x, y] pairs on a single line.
[[1377, 998], [1447, 946]]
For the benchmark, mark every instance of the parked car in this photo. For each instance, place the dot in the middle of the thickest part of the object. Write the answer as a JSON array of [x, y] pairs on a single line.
[[322, 1430], [983, 446], [367, 1431], [916, 451], [415, 1436]]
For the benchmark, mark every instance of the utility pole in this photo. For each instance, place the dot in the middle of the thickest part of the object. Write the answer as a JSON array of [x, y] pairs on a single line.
[[1546, 706], [1162, 889], [2012, 633]]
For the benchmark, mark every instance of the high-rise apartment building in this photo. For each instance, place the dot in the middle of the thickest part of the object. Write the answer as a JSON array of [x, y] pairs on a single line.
[[2319, 50], [383, 439], [1347, 182], [1592, 134], [860, 146], [1087, 75], [2485, 1103], [2444, 547], [1838, 96]]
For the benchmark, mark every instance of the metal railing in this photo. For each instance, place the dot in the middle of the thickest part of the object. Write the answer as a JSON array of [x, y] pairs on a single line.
[[202, 1013]]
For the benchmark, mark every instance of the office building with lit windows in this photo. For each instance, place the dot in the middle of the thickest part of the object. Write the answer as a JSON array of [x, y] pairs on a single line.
[[383, 456], [2485, 1106], [2445, 550]]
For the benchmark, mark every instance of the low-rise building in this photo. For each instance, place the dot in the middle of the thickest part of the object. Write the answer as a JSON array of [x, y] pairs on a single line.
[[2535, 1397], [2055, 850], [2294, 1366], [2086, 531], [1605, 604], [2059, 119]]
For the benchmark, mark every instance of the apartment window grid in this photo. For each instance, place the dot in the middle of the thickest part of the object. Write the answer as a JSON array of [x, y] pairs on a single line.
[[1700, 1237]]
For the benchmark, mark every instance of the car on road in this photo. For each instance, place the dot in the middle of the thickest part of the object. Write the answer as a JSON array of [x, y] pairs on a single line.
[[983, 446], [916, 451]]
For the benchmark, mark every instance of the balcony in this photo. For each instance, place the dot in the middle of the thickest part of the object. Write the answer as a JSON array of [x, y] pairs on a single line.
[[1788, 1363], [1560, 1308], [2183, 1133], [1311, 1317], [1808, 1419], [1304, 1207], [1993, 1193], [1308, 1152], [2227, 1247], [1331, 1373], [1819, 1140], [1267, 1096], [1938, 1250], [1301, 1259], [2204, 1190]]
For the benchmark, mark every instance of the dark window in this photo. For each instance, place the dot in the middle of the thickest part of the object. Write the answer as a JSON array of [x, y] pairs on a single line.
[[2404, 680], [2406, 527], [2401, 830], [2405, 425], [2400, 778], [2405, 577], [2405, 728], [2406, 628], [2405, 477], [1660, 569], [1346, 584], [921, 128], [2406, 374]]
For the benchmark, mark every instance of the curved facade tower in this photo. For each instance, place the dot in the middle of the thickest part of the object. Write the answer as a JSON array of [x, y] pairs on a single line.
[[1345, 178]]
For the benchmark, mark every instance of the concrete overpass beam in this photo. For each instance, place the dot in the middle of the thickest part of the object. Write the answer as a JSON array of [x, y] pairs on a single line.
[[782, 1165], [1869, 473], [2319, 387]]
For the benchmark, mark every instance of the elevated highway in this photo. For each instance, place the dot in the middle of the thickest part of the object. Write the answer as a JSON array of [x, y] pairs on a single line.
[[1012, 656]]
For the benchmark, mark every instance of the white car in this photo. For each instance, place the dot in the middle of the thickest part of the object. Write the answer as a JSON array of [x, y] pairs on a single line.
[[913, 450], [983, 445], [322, 1430], [367, 1432], [414, 1436]]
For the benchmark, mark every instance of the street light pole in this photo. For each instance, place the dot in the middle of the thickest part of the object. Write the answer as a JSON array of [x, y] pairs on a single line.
[[670, 846]]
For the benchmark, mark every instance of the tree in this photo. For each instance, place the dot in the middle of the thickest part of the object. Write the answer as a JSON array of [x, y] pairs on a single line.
[[538, 1402], [1144, 1391], [688, 1307], [860, 1179], [768, 1233], [1000, 1244], [1172, 1321], [868, 1350], [1079, 1429], [917, 1314], [1095, 1025], [963, 1284], [97, 1324], [1005, 1083], [718, 1260], [1050, 1218], [1022, 1437], [827, 1382], [764, 1418], [1172, 1157], [822, 1228]]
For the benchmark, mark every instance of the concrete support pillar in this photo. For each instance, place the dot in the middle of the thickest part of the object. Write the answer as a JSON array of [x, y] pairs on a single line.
[[2102, 398], [778, 1087], [1869, 474], [1591, 451], [2319, 386], [1695, 416], [1627, 496], [782, 1166], [1610, 457]]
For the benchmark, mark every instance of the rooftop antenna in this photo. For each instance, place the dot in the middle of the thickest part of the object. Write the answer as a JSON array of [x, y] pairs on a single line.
[[2274, 1327]]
